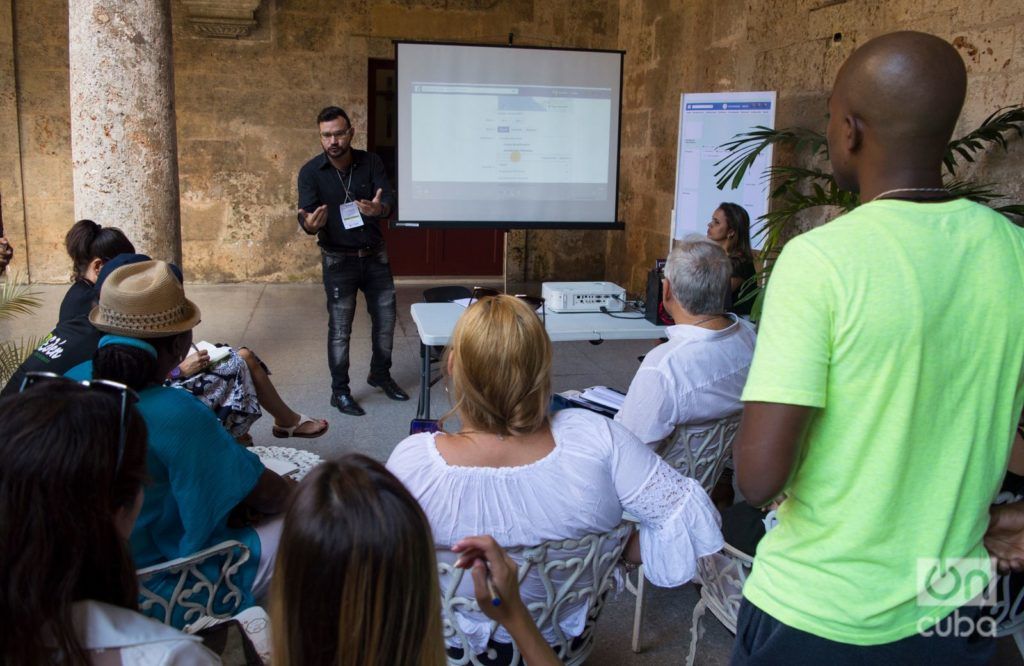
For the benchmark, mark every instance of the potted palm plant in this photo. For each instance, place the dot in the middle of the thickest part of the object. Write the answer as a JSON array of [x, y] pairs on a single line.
[[807, 183], [15, 299]]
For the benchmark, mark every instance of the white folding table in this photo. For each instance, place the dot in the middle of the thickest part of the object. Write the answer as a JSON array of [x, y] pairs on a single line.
[[436, 321]]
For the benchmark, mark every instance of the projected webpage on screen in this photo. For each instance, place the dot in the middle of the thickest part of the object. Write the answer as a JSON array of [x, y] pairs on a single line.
[[510, 134], [504, 136]]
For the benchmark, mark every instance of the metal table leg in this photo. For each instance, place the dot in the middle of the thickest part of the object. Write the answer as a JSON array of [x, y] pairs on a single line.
[[423, 408]]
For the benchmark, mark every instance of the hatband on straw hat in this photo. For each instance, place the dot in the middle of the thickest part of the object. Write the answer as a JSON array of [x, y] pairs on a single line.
[[144, 300]]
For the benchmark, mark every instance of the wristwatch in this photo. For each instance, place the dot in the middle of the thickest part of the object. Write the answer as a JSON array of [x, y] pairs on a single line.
[[175, 374]]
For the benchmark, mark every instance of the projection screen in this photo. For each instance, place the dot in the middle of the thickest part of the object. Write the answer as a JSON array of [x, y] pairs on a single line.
[[507, 137]]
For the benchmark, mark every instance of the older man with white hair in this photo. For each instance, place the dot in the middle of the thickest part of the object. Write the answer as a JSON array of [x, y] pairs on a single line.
[[698, 375]]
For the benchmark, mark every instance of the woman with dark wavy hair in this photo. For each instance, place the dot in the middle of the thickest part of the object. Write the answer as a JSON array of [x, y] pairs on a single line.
[[69, 496]]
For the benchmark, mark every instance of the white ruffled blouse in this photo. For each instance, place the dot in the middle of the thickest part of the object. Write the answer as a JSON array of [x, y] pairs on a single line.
[[597, 470]]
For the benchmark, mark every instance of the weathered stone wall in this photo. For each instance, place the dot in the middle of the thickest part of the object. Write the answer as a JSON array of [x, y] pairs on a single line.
[[245, 108], [245, 113], [35, 145], [796, 48], [12, 212]]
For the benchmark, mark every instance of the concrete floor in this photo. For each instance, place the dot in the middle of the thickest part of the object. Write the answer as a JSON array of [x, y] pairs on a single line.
[[286, 324]]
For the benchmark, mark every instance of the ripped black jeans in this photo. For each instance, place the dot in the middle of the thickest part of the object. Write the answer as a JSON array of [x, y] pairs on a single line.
[[343, 276]]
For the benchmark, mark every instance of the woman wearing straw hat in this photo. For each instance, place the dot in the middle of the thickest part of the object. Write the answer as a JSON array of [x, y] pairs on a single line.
[[199, 476]]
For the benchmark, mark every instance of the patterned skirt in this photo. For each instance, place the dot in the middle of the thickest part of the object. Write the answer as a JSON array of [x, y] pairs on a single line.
[[226, 387]]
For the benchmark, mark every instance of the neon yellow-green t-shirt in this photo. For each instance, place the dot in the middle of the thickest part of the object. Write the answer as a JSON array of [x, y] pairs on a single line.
[[903, 324]]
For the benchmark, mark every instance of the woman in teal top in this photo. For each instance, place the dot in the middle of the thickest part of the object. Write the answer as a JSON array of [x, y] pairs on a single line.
[[199, 476]]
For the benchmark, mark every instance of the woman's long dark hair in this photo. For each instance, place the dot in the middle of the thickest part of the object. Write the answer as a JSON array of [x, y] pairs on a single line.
[[87, 240], [738, 221], [355, 583], [58, 495]]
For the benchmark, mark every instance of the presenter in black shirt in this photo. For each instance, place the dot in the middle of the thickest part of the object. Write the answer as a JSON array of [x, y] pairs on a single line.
[[343, 194]]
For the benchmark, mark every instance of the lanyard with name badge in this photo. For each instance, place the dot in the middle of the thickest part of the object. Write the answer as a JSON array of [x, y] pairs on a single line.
[[350, 215]]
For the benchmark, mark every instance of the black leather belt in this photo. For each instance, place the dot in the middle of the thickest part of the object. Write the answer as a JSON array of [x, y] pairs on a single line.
[[361, 252]]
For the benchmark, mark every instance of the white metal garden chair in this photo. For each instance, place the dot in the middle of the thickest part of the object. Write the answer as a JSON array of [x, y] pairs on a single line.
[[195, 593], [560, 565], [723, 576], [699, 452]]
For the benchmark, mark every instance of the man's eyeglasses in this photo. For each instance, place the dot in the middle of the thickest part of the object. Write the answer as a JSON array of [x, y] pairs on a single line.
[[536, 303], [125, 394], [340, 134]]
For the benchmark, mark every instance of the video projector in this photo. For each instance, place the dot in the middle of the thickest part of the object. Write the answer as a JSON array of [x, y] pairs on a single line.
[[583, 296]]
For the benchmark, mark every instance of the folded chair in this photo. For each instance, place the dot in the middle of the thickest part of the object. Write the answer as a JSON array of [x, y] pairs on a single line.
[[699, 452], [567, 560]]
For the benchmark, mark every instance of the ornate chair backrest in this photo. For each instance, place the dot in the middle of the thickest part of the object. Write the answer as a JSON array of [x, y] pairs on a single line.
[[193, 594], [700, 452], [723, 576], [560, 565]]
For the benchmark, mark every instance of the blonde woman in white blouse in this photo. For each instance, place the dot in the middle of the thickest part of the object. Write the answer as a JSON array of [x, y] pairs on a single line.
[[524, 476]]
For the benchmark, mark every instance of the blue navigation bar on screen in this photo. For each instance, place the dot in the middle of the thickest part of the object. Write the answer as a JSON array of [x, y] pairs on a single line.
[[728, 106]]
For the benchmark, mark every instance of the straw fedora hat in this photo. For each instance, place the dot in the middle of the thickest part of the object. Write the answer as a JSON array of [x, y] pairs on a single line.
[[144, 300]]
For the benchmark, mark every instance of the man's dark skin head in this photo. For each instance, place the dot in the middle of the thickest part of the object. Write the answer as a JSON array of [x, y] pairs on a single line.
[[892, 112]]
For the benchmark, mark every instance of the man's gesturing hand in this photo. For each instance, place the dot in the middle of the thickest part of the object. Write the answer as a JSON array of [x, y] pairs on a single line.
[[316, 220], [372, 208]]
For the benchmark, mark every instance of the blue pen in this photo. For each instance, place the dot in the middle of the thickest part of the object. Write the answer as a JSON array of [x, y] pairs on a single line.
[[495, 597]]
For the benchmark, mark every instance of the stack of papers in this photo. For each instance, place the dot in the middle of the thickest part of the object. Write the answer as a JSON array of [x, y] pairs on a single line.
[[604, 396], [601, 399]]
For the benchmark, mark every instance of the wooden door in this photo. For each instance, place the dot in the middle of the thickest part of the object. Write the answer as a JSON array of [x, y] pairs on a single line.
[[422, 252]]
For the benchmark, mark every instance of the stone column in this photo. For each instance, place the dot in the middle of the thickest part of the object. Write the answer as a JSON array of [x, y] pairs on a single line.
[[123, 138]]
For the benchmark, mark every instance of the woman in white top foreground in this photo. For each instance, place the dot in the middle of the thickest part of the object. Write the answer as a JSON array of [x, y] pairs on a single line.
[[524, 476]]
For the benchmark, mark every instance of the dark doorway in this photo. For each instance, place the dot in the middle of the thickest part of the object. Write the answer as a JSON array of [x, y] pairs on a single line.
[[421, 252]]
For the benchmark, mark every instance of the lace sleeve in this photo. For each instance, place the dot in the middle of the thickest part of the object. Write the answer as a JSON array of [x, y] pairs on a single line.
[[678, 525]]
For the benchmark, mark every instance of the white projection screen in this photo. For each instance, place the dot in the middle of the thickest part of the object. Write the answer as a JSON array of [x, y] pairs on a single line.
[[508, 137]]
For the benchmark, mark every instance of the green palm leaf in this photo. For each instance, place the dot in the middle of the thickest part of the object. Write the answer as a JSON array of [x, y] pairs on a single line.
[[744, 149], [13, 353], [16, 298], [1007, 120]]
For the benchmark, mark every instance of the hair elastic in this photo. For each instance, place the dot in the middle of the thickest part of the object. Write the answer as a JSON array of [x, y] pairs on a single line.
[[128, 342]]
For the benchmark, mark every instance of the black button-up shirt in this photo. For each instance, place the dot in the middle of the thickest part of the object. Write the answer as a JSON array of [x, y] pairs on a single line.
[[320, 183]]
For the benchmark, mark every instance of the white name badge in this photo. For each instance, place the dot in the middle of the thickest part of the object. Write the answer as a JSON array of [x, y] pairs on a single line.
[[350, 216]]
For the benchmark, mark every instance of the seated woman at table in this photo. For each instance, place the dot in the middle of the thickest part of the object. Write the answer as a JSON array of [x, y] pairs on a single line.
[[525, 477], [356, 577], [730, 228], [198, 475], [69, 495]]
